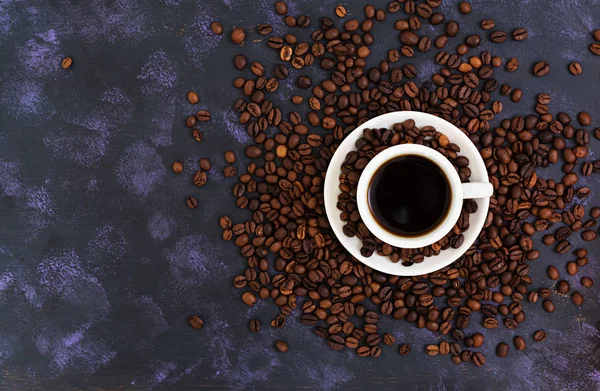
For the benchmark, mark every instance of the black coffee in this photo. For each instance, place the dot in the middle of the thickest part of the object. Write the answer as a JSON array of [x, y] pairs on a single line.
[[409, 195]]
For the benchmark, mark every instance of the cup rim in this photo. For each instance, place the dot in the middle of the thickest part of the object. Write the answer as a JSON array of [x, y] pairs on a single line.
[[442, 228]]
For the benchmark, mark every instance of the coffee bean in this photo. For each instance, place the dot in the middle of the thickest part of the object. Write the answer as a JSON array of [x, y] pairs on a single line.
[[512, 64], [216, 27], [193, 97], [432, 350], [389, 339], [229, 171], [340, 11], [204, 164], [595, 48], [563, 287], [541, 68], [539, 336], [281, 346], [587, 282], [577, 298], [488, 24], [575, 68], [177, 167], [197, 135], [203, 115], [548, 305], [404, 349], [67, 63], [519, 343], [465, 7], [238, 35], [584, 118], [200, 178], [240, 61], [553, 273], [195, 322], [478, 359], [502, 350], [264, 29], [230, 157], [191, 202], [498, 36], [520, 34], [254, 325]]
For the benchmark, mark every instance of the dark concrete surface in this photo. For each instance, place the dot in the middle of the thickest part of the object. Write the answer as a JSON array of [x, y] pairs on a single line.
[[100, 261]]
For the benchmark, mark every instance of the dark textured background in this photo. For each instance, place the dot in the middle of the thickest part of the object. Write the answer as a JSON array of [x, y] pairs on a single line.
[[100, 260]]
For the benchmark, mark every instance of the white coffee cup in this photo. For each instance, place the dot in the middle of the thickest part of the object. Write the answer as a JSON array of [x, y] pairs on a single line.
[[459, 191]]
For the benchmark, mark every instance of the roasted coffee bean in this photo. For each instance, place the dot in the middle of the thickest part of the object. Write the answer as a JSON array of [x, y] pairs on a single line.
[[432, 350], [193, 97], [196, 322], [254, 325], [541, 68], [238, 35], [281, 346], [519, 343], [66, 63], [575, 68], [465, 7], [191, 202], [488, 24], [498, 36], [502, 350], [595, 48], [216, 28], [548, 305], [404, 349], [539, 336]]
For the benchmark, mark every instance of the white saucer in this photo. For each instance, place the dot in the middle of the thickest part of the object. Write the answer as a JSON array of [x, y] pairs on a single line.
[[353, 245]]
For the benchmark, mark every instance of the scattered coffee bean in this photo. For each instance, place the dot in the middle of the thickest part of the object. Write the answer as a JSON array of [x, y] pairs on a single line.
[[204, 164], [340, 11], [216, 27], [230, 157], [502, 350], [520, 343], [465, 7], [249, 298], [520, 34], [254, 325], [488, 24], [177, 167], [577, 298], [404, 349], [195, 322], [587, 282], [539, 336], [548, 305], [238, 35], [584, 118], [553, 273], [191, 202], [541, 68], [575, 68], [67, 62], [595, 48], [282, 346]]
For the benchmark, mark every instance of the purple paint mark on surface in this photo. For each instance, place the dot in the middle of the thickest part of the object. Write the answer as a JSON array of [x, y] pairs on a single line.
[[62, 276], [123, 20], [41, 56], [198, 39], [140, 170], [158, 74], [106, 249], [73, 351], [24, 97], [40, 199], [6, 280], [230, 120], [10, 185], [86, 150], [193, 258], [329, 376], [160, 226], [161, 135]]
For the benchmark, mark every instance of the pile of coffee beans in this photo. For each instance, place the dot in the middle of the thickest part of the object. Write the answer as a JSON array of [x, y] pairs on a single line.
[[374, 141], [292, 257]]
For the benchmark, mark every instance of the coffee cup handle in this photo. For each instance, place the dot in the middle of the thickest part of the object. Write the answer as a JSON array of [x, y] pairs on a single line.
[[477, 190]]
